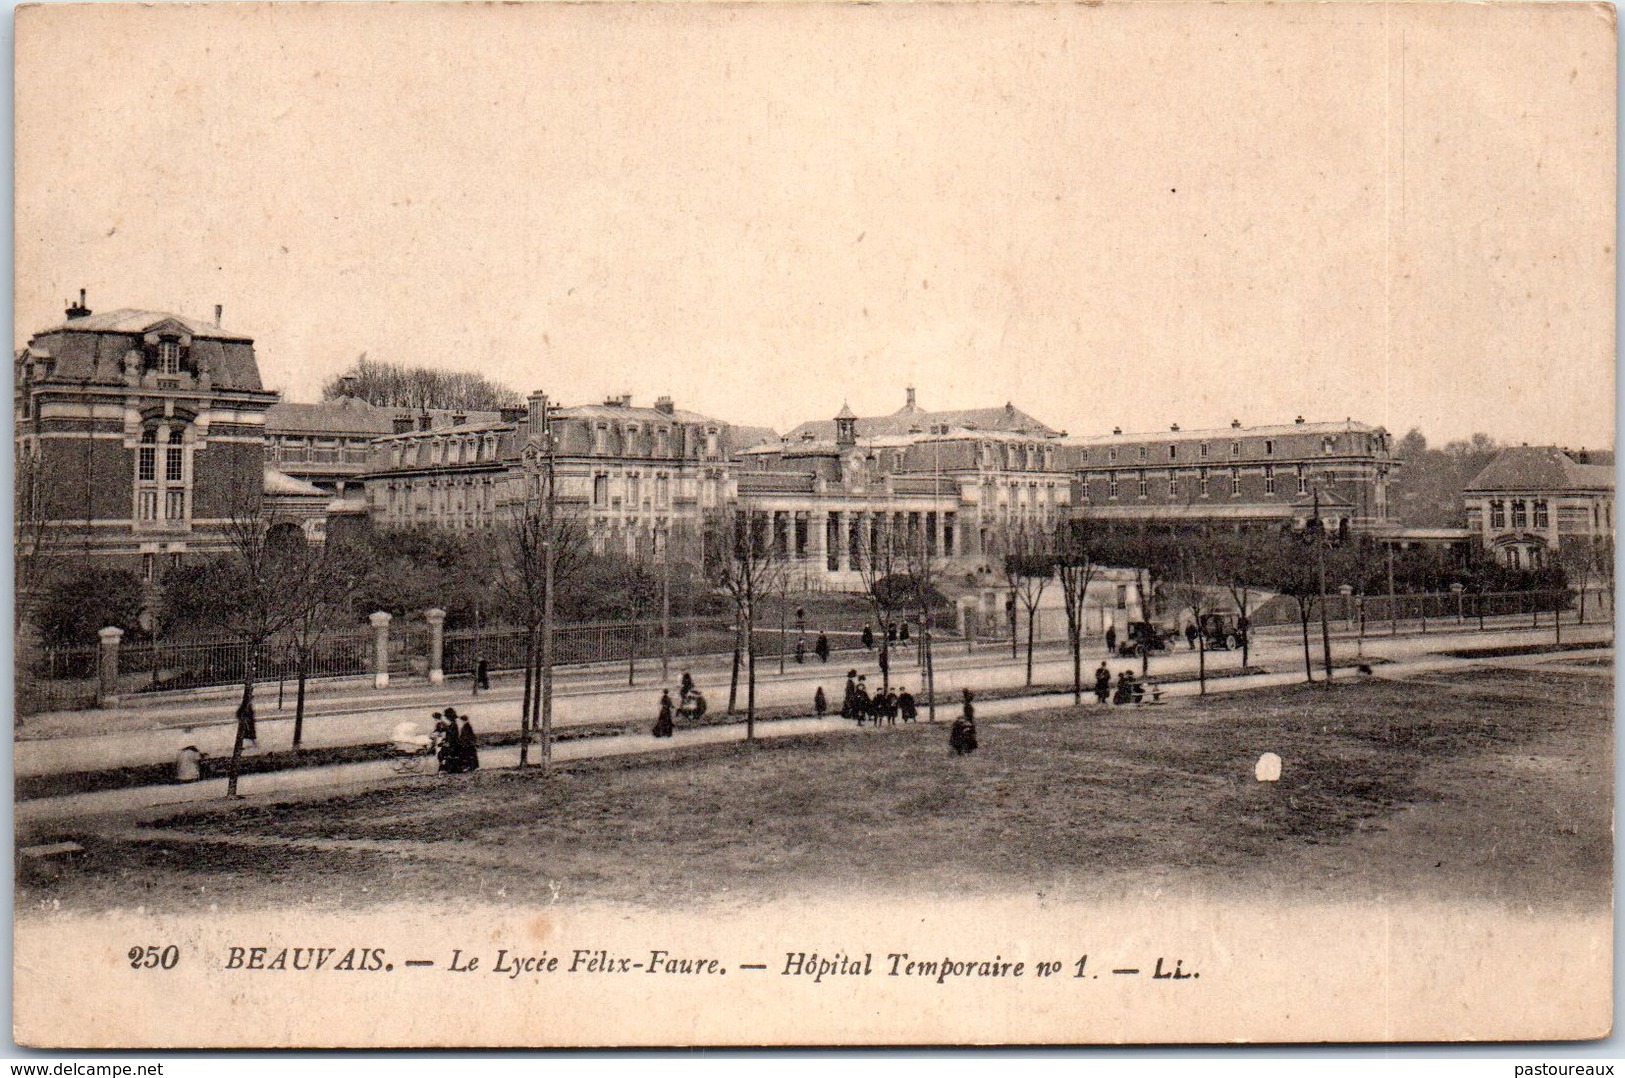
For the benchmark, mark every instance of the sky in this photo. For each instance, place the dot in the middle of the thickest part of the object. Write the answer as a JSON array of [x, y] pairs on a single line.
[[1111, 215]]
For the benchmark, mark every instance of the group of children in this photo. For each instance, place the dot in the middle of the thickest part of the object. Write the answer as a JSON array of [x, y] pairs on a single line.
[[887, 706]]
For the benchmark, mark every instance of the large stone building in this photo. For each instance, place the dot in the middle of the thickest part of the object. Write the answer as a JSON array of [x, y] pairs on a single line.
[[140, 438], [635, 476], [1269, 476], [1531, 502], [957, 481]]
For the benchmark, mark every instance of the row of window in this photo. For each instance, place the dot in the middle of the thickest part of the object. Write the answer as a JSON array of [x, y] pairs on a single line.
[[659, 489], [442, 451], [1520, 513], [1328, 444], [1014, 458], [1202, 483], [657, 445]]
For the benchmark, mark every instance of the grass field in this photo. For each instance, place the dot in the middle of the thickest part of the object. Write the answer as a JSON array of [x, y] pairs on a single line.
[[1491, 785]]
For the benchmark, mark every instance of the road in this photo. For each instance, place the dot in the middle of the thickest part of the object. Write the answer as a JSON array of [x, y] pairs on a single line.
[[1406, 655]]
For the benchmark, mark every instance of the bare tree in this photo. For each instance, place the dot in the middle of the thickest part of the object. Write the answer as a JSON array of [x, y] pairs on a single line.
[[748, 568], [399, 385], [1029, 565], [922, 569], [336, 572], [1077, 564], [251, 593], [539, 546], [880, 558]]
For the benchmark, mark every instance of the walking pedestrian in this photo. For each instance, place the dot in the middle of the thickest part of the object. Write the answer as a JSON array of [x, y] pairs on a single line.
[[868, 638], [851, 696], [821, 647], [906, 706], [962, 735], [861, 702], [469, 745], [902, 632], [1111, 640], [663, 724], [801, 650], [1103, 683], [482, 675], [1190, 636], [820, 705], [245, 719], [686, 686]]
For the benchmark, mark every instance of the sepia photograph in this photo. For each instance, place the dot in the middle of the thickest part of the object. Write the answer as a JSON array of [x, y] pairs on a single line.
[[813, 524]]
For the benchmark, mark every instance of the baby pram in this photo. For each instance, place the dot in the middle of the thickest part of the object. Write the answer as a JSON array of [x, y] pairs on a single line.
[[413, 750]]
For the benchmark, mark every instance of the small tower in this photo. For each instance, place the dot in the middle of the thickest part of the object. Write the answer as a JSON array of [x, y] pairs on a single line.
[[846, 427]]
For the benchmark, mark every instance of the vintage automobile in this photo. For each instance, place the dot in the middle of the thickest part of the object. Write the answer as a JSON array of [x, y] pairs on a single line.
[[1145, 634], [1223, 631]]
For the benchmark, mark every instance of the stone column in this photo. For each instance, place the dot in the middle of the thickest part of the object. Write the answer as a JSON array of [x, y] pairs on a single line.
[[107, 687], [817, 539], [437, 644], [939, 533], [380, 649], [843, 542]]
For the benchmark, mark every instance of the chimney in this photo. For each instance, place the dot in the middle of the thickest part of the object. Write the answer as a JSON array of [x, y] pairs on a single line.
[[512, 414], [78, 310], [911, 398], [536, 417], [218, 311], [1117, 430], [403, 424], [1298, 421], [1174, 428], [425, 420], [626, 400], [347, 386], [1235, 424], [458, 419], [664, 406]]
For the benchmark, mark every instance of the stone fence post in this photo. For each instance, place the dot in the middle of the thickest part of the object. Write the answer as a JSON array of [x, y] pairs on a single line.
[[107, 688], [380, 649], [437, 644]]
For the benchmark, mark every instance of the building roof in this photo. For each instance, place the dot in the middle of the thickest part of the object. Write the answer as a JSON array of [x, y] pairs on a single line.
[[282, 484], [910, 418], [1540, 467], [1219, 433], [629, 412], [133, 320], [346, 415]]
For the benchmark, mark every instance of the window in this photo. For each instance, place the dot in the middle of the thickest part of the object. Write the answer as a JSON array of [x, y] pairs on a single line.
[[1201, 450], [147, 466], [1142, 452], [1269, 477], [1543, 517], [1269, 447], [663, 490], [1201, 478], [169, 357], [1520, 513], [1083, 488], [174, 504], [1112, 485], [632, 490], [1122, 596], [663, 442], [147, 505], [1111, 455], [600, 489], [1173, 485], [1235, 450], [149, 564], [1142, 485], [1235, 482], [1498, 513], [600, 439], [173, 458], [1303, 480], [1173, 452], [1328, 444]]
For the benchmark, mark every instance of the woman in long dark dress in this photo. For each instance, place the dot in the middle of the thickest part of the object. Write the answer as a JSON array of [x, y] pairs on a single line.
[[1103, 683], [663, 724], [470, 746]]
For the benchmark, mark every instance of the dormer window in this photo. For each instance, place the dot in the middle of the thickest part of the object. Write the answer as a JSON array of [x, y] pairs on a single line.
[[169, 357]]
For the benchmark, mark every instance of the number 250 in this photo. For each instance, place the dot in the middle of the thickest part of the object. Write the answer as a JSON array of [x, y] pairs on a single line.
[[154, 958]]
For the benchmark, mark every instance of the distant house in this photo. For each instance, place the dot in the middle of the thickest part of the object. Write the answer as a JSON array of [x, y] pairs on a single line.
[[1531, 501]]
